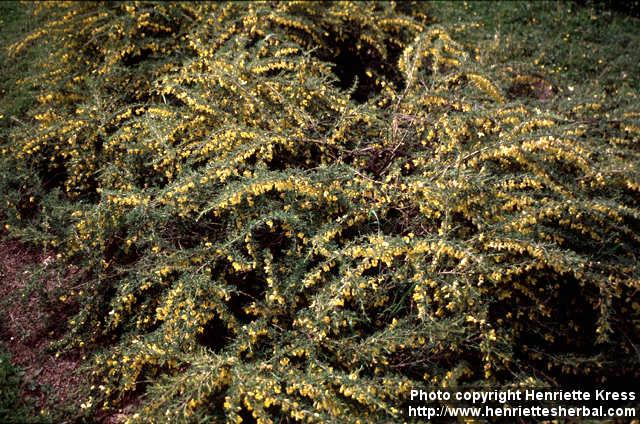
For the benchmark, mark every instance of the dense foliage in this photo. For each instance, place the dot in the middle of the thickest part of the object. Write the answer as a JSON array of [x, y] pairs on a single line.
[[300, 211]]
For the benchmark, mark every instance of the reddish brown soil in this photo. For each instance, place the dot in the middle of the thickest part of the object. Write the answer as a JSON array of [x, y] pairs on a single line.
[[31, 318]]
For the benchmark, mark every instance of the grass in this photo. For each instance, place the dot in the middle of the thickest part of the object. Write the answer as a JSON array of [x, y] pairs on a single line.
[[571, 44]]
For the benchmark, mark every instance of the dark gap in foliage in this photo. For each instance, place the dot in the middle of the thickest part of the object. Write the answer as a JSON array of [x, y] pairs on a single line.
[[283, 160], [401, 292], [57, 321], [53, 176], [352, 65], [375, 270], [413, 8], [215, 336], [298, 362], [567, 168], [471, 356], [347, 235], [570, 306], [136, 58], [380, 159], [632, 198], [271, 238], [262, 350], [464, 227], [247, 416], [351, 72], [625, 338], [147, 374], [237, 303], [250, 39], [407, 168], [303, 299], [633, 224], [574, 240], [214, 404], [90, 195], [393, 221], [505, 166], [540, 90], [410, 363], [404, 220], [150, 299], [26, 207], [250, 288], [278, 415], [97, 315], [187, 233], [325, 354], [114, 253], [629, 8]]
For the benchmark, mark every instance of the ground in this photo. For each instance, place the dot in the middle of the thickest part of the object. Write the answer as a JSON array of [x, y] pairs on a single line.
[[31, 320]]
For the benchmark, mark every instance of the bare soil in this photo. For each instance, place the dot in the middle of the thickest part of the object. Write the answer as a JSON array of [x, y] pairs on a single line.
[[32, 317]]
